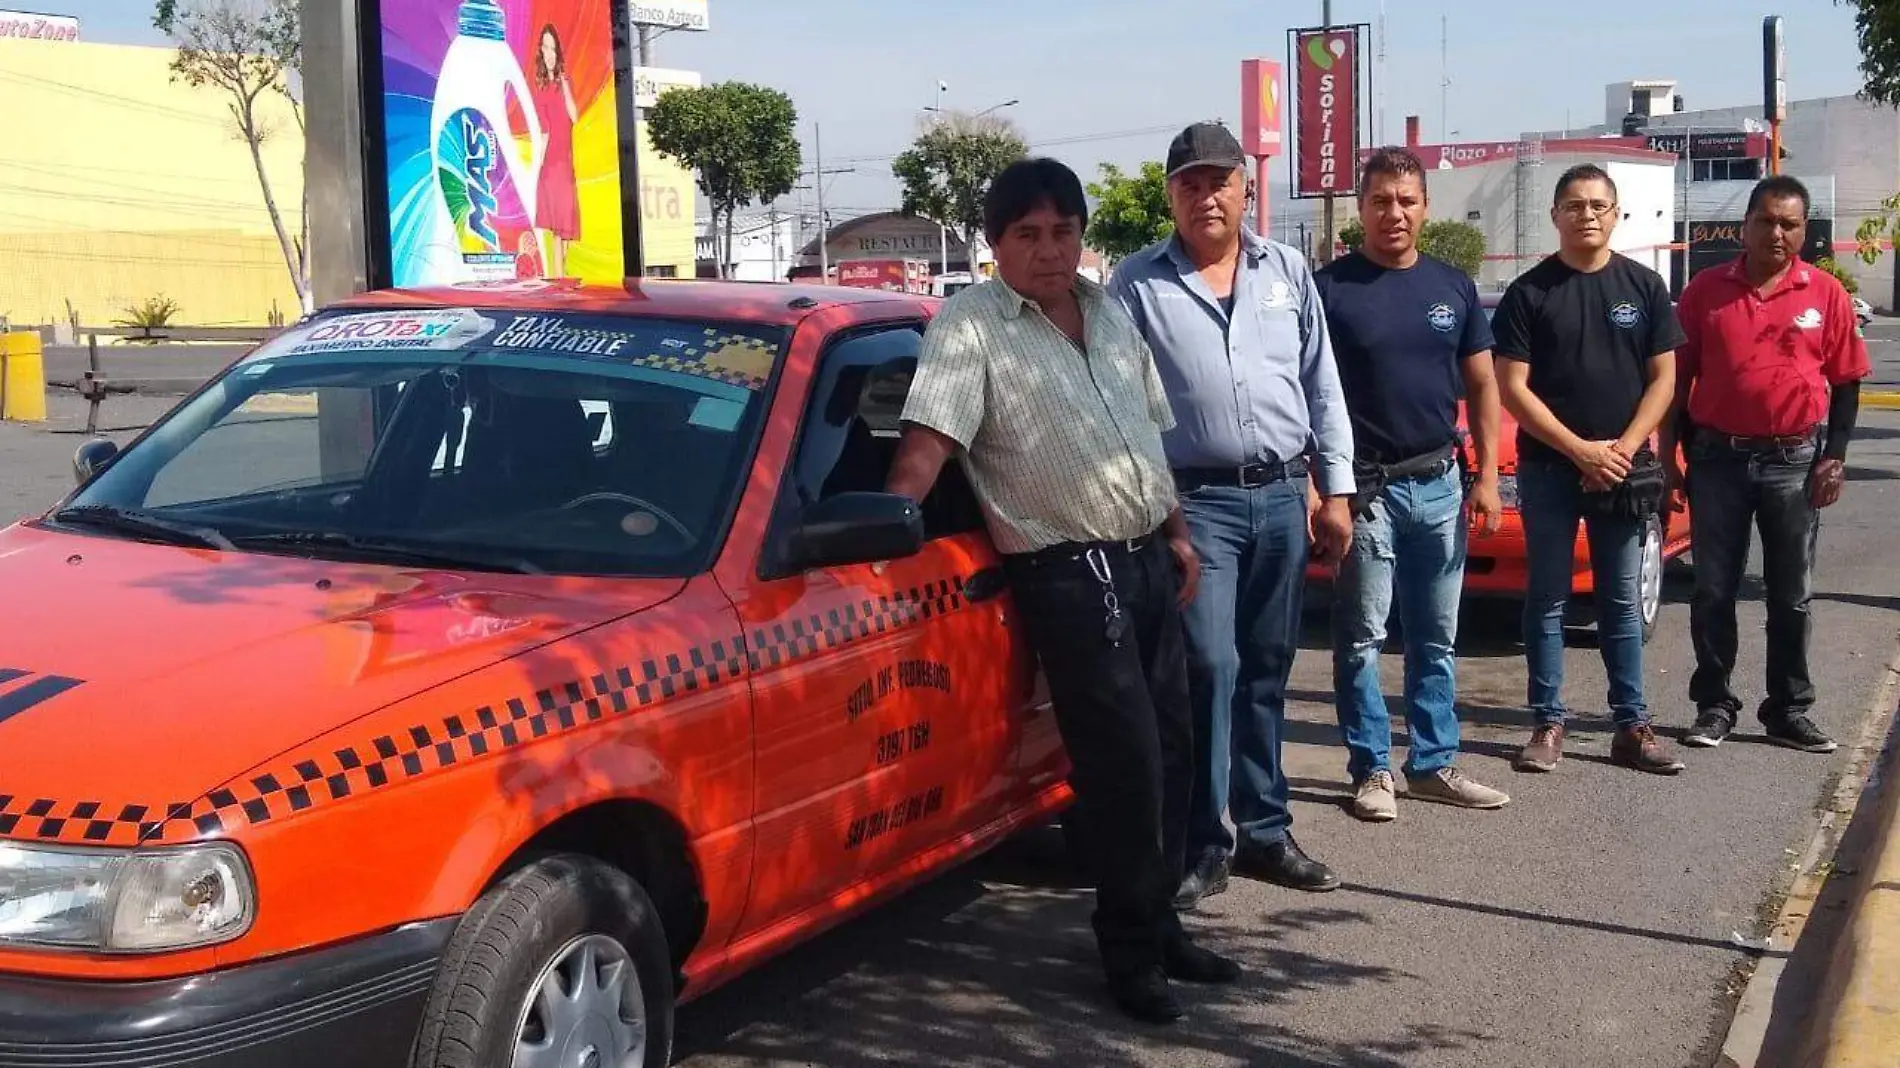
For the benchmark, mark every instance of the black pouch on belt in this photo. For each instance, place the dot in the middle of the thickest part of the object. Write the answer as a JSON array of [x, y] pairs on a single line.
[[1638, 496]]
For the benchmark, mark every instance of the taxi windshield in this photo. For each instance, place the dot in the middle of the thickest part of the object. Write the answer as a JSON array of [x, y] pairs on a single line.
[[533, 442]]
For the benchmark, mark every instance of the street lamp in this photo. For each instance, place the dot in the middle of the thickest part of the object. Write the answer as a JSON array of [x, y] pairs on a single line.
[[943, 231]]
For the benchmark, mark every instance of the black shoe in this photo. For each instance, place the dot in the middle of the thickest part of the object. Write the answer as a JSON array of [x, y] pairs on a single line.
[[1284, 863], [1208, 878], [1798, 732], [1193, 964], [1711, 726], [1146, 996]]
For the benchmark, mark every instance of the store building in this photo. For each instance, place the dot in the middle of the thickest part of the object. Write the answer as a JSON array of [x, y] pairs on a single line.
[[123, 183], [1846, 150], [1505, 189]]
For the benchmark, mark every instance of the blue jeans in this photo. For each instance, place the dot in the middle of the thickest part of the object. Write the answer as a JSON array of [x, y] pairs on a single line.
[[1242, 631], [1414, 540], [1550, 501]]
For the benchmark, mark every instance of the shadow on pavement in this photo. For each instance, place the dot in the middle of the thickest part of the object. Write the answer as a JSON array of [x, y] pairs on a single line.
[[991, 966]]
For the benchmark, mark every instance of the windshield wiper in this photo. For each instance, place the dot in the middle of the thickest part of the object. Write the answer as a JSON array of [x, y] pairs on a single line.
[[143, 525], [394, 552]]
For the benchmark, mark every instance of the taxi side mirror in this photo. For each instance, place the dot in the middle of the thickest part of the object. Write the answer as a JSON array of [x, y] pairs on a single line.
[[92, 458], [856, 528]]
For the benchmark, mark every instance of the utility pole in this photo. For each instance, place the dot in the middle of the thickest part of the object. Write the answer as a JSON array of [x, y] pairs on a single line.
[[646, 45], [1444, 78], [824, 221]]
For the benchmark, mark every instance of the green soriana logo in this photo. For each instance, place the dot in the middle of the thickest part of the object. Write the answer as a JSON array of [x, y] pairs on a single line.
[[1324, 50]]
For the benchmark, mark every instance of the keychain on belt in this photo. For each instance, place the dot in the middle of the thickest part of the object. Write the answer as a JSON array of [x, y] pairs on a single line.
[[1114, 627]]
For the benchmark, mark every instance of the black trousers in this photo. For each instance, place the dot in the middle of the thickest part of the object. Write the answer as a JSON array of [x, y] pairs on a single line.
[[1126, 722], [1727, 489]]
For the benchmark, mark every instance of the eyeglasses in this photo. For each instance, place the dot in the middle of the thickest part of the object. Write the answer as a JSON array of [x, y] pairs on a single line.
[[1578, 209]]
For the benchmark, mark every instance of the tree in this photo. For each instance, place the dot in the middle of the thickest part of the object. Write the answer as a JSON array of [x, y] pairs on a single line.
[[1877, 25], [1457, 243], [1833, 267], [947, 172], [1131, 212], [247, 49], [737, 138]]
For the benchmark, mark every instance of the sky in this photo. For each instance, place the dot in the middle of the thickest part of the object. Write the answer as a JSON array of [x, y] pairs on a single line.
[[1111, 80]]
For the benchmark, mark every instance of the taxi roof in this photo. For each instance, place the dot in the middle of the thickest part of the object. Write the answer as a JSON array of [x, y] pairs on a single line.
[[764, 302]]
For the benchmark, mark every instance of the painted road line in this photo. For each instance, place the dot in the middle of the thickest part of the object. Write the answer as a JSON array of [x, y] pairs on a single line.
[[1880, 398], [1748, 1031]]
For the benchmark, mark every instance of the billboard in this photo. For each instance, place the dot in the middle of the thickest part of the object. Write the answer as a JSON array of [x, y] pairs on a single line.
[[502, 134], [1260, 98], [667, 189], [1327, 69], [670, 14], [26, 25]]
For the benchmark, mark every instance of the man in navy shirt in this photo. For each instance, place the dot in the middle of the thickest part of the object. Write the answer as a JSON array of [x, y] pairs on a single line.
[[1410, 336]]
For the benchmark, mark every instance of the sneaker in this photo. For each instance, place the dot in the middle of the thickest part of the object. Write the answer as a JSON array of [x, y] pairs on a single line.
[[1798, 732], [1638, 747], [1376, 800], [1544, 750], [1209, 877], [1448, 786], [1711, 726]]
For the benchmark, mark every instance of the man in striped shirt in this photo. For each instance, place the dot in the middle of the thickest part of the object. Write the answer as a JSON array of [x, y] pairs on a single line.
[[1040, 384]]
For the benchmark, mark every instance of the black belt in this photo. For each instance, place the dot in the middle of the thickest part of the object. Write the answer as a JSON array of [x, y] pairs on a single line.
[[1250, 476], [1425, 466], [1769, 443], [1073, 550]]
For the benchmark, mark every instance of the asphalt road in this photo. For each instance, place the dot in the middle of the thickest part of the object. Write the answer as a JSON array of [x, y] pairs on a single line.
[[1590, 923]]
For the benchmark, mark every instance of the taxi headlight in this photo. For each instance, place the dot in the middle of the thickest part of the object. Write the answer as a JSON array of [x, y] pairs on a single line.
[[123, 901]]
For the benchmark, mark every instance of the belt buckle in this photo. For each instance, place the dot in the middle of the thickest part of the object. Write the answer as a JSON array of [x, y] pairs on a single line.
[[1249, 482]]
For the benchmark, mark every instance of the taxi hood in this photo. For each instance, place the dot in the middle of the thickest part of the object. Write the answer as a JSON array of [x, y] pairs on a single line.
[[141, 672]]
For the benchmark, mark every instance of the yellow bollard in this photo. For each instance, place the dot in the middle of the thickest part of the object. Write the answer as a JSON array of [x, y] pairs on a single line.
[[22, 377]]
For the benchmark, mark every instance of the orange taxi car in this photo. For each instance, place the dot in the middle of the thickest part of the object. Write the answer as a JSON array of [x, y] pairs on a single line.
[[468, 676], [1497, 568]]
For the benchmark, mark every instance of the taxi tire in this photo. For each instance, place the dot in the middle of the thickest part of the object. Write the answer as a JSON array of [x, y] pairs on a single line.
[[513, 932]]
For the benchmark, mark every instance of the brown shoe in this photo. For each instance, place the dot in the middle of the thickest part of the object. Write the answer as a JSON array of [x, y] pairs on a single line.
[[1544, 750], [1638, 747]]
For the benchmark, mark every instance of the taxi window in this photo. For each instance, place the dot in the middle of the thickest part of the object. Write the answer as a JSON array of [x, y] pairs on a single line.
[[542, 443], [851, 436]]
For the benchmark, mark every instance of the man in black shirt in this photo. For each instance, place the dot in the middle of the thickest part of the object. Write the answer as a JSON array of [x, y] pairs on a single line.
[[1587, 341]]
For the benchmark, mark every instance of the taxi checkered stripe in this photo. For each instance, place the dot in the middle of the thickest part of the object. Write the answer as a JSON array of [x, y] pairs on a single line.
[[698, 370], [312, 780]]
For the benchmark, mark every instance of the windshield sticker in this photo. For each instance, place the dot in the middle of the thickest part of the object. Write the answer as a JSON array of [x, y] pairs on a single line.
[[546, 333], [717, 413], [383, 331]]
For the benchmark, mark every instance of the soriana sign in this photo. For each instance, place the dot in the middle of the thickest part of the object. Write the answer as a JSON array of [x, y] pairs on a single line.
[[1260, 97], [1326, 129]]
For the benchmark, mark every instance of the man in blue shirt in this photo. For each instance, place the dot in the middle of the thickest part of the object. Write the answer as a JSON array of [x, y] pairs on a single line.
[[1240, 341], [1410, 336]]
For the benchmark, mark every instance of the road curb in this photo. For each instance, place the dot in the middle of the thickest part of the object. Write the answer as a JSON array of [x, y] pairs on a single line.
[[1856, 1022], [1756, 1011], [1880, 398]]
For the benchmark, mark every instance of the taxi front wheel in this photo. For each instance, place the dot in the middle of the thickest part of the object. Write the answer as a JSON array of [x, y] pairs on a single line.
[[562, 963]]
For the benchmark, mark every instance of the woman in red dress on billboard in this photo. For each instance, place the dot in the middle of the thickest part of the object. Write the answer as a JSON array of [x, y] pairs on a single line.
[[557, 201]]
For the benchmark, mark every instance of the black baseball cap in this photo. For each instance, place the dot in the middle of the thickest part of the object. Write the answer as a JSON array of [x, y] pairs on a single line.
[[1204, 144]]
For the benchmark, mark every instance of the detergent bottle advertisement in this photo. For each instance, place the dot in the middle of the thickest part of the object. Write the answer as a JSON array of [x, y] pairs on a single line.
[[502, 134]]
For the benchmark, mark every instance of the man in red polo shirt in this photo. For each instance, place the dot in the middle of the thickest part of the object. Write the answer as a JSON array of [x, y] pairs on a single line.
[[1767, 391]]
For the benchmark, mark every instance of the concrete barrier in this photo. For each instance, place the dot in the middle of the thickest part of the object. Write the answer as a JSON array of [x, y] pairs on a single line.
[[22, 377], [1856, 1018]]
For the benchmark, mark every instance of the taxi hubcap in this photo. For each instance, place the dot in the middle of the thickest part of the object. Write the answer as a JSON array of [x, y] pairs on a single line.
[[585, 1011], [1652, 573]]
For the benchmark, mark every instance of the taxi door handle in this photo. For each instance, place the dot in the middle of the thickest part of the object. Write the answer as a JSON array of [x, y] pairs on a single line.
[[985, 585]]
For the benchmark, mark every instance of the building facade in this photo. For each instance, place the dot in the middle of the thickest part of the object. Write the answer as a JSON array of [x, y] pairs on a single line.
[[1847, 151]]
